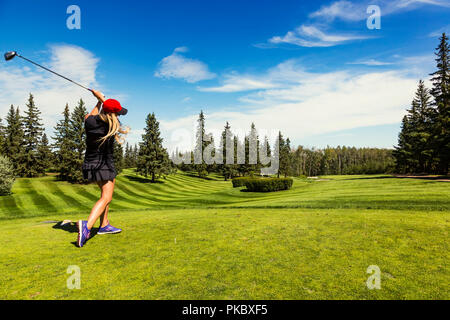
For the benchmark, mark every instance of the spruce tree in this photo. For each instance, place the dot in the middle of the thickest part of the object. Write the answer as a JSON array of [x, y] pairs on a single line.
[[77, 143], [135, 155], [44, 154], [403, 151], [62, 145], [287, 160], [200, 145], [14, 140], [33, 130], [421, 119], [226, 169], [282, 155], [441, 93], [2, 138], [118, 157], [127, 159], [252, 150], [153, 158]]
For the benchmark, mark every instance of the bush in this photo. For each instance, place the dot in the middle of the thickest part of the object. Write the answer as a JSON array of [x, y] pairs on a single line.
[[268, 184], [239, 182], [7, 176]]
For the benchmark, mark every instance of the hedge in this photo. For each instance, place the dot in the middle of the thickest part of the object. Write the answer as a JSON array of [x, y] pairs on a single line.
[[239, 182], [268, 184]]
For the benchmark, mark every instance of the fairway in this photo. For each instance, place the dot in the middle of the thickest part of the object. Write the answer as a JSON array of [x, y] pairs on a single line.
[[190, 238]]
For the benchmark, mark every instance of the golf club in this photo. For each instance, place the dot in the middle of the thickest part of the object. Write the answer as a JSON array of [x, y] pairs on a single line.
[[11, 54]]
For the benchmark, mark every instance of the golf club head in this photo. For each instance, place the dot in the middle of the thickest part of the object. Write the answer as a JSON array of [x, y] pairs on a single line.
[[9, 55]]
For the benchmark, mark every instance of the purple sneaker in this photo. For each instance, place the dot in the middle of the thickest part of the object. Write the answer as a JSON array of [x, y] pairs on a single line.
[[83, 233], [109, 229]]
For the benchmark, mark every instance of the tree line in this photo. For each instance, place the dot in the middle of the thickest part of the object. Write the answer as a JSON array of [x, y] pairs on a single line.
[[24, 142], [298, 161], [424, 140]]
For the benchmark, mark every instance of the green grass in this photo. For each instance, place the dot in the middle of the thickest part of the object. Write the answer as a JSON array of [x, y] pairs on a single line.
[[46, 196], [189, 238]]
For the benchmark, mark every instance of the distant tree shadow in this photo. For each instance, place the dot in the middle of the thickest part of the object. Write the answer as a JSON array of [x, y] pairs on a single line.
[[372, 178], [422, 177], [141, 179], [196, 176]]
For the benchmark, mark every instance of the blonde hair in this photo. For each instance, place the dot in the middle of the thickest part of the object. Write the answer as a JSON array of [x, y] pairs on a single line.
[[115, 128]]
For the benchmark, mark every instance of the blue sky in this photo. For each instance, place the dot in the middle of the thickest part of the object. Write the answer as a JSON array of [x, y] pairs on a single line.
[[310, 69]]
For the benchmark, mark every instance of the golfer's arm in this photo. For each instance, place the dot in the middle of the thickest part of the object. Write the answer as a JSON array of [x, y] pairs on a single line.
[[96, 110]]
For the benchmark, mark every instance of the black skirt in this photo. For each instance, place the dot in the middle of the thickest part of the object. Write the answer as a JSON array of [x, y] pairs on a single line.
[[99, 168], [99, 160]]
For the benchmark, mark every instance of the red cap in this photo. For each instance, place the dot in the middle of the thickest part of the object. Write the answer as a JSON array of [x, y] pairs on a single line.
[[113, 106]]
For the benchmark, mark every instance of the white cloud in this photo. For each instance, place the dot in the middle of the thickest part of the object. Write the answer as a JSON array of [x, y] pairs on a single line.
[[438, 33], [345, 10], [179, 67], [371, 62], [51, 93], [236, 83], [303, 104], [356, 11], [311, 36]]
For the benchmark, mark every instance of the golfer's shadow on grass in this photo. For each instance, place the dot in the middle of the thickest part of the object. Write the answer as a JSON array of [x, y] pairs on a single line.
[[71, 227]]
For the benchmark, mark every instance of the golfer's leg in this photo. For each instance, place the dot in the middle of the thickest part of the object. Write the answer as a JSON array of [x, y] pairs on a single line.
[[104, 217], [100, 206]]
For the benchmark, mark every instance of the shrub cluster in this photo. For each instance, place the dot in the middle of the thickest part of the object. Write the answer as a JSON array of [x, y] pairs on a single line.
[[263, 184], [239, 182], [268, 184], [7, 176]]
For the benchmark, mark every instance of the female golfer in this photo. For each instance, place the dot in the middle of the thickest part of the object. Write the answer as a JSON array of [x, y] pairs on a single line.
[[102, 128]]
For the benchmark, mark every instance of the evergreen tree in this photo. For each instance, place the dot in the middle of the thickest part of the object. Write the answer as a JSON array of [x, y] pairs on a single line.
[[441, 93], [118, 157], [44, 154], [283, 154], [403, 150], [267, 153], [33, 130], [200, 145], [14, 140], [62, 146], [128, 157], [226, 169], [253, 150], [2, 138], [77, 143], [287, 158], [153, 158], [421, 119], [135, 155]]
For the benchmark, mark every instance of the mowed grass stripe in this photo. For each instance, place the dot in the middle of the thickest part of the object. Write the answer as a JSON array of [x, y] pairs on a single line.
[[66, 198], [168, 189], [40, 200], [41, 196], [199, 183], [144, 190], [129, 195]]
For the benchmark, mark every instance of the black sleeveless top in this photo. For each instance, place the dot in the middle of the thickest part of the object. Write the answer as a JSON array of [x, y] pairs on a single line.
[[99, 158]]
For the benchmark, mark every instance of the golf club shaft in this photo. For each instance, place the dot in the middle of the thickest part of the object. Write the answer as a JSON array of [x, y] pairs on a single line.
[[36, 64]]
